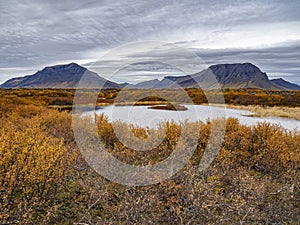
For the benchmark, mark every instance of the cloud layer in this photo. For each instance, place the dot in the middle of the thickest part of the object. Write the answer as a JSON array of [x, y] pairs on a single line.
[[36, 33]]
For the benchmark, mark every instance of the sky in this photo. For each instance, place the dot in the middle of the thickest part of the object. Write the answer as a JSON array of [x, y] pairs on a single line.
[[38, 33]]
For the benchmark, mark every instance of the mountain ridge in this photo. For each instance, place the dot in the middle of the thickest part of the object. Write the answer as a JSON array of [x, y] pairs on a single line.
[[236, 75], [60, 76]]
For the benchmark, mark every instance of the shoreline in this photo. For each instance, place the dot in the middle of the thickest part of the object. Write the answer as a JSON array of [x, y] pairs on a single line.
[[259, 111], [267, 111]]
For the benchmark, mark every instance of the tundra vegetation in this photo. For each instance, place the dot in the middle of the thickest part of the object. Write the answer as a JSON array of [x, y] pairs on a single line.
[[254, 179], [64, 97]]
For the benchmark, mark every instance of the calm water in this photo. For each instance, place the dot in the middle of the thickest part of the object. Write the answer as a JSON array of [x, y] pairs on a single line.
[[142, 116]]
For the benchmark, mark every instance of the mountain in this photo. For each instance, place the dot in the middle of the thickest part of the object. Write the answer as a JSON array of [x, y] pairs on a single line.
[[149, 84], [61, 76], [244, 75], [238, 75], [283, 83]]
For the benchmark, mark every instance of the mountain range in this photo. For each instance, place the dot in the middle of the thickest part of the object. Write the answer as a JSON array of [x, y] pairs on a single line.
[[238, 75]]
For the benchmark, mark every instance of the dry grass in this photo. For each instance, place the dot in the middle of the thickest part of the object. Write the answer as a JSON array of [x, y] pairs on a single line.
[[260, 111]]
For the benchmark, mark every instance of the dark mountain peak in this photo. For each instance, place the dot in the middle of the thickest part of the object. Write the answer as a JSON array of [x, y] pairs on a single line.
[[61, 76], [246, 64], [278, 79], [249, 67], [244, 75], [72, 67], [170, 77], [73, 64], [246, 67]]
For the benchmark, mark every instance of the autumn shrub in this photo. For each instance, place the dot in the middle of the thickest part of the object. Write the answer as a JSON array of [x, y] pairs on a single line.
[[34, 162], [105, 130], [254, 178]]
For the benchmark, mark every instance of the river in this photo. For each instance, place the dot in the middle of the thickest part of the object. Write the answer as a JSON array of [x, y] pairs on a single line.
[[143, 116]]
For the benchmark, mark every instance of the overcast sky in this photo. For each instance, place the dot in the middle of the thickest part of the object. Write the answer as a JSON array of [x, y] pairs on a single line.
[[34, 34]]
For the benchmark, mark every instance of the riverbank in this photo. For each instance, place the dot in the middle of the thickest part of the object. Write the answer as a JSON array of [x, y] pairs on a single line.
[[260, 111]]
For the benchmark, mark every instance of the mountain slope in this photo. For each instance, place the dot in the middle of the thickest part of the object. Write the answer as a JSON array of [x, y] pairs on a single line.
[[283, 83], [60, 76], [149, 84], [238, 75], [245, 75]]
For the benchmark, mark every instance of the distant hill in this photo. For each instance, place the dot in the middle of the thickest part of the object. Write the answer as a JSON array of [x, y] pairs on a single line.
[[238, 75], [145, 84], [60, 76], [283, 83]]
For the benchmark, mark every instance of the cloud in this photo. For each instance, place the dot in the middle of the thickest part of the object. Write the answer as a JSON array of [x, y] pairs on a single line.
[[37, 33], [280, 60]]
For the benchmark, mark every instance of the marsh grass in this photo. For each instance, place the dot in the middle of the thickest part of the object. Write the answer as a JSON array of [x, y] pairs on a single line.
[[267, 111]]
